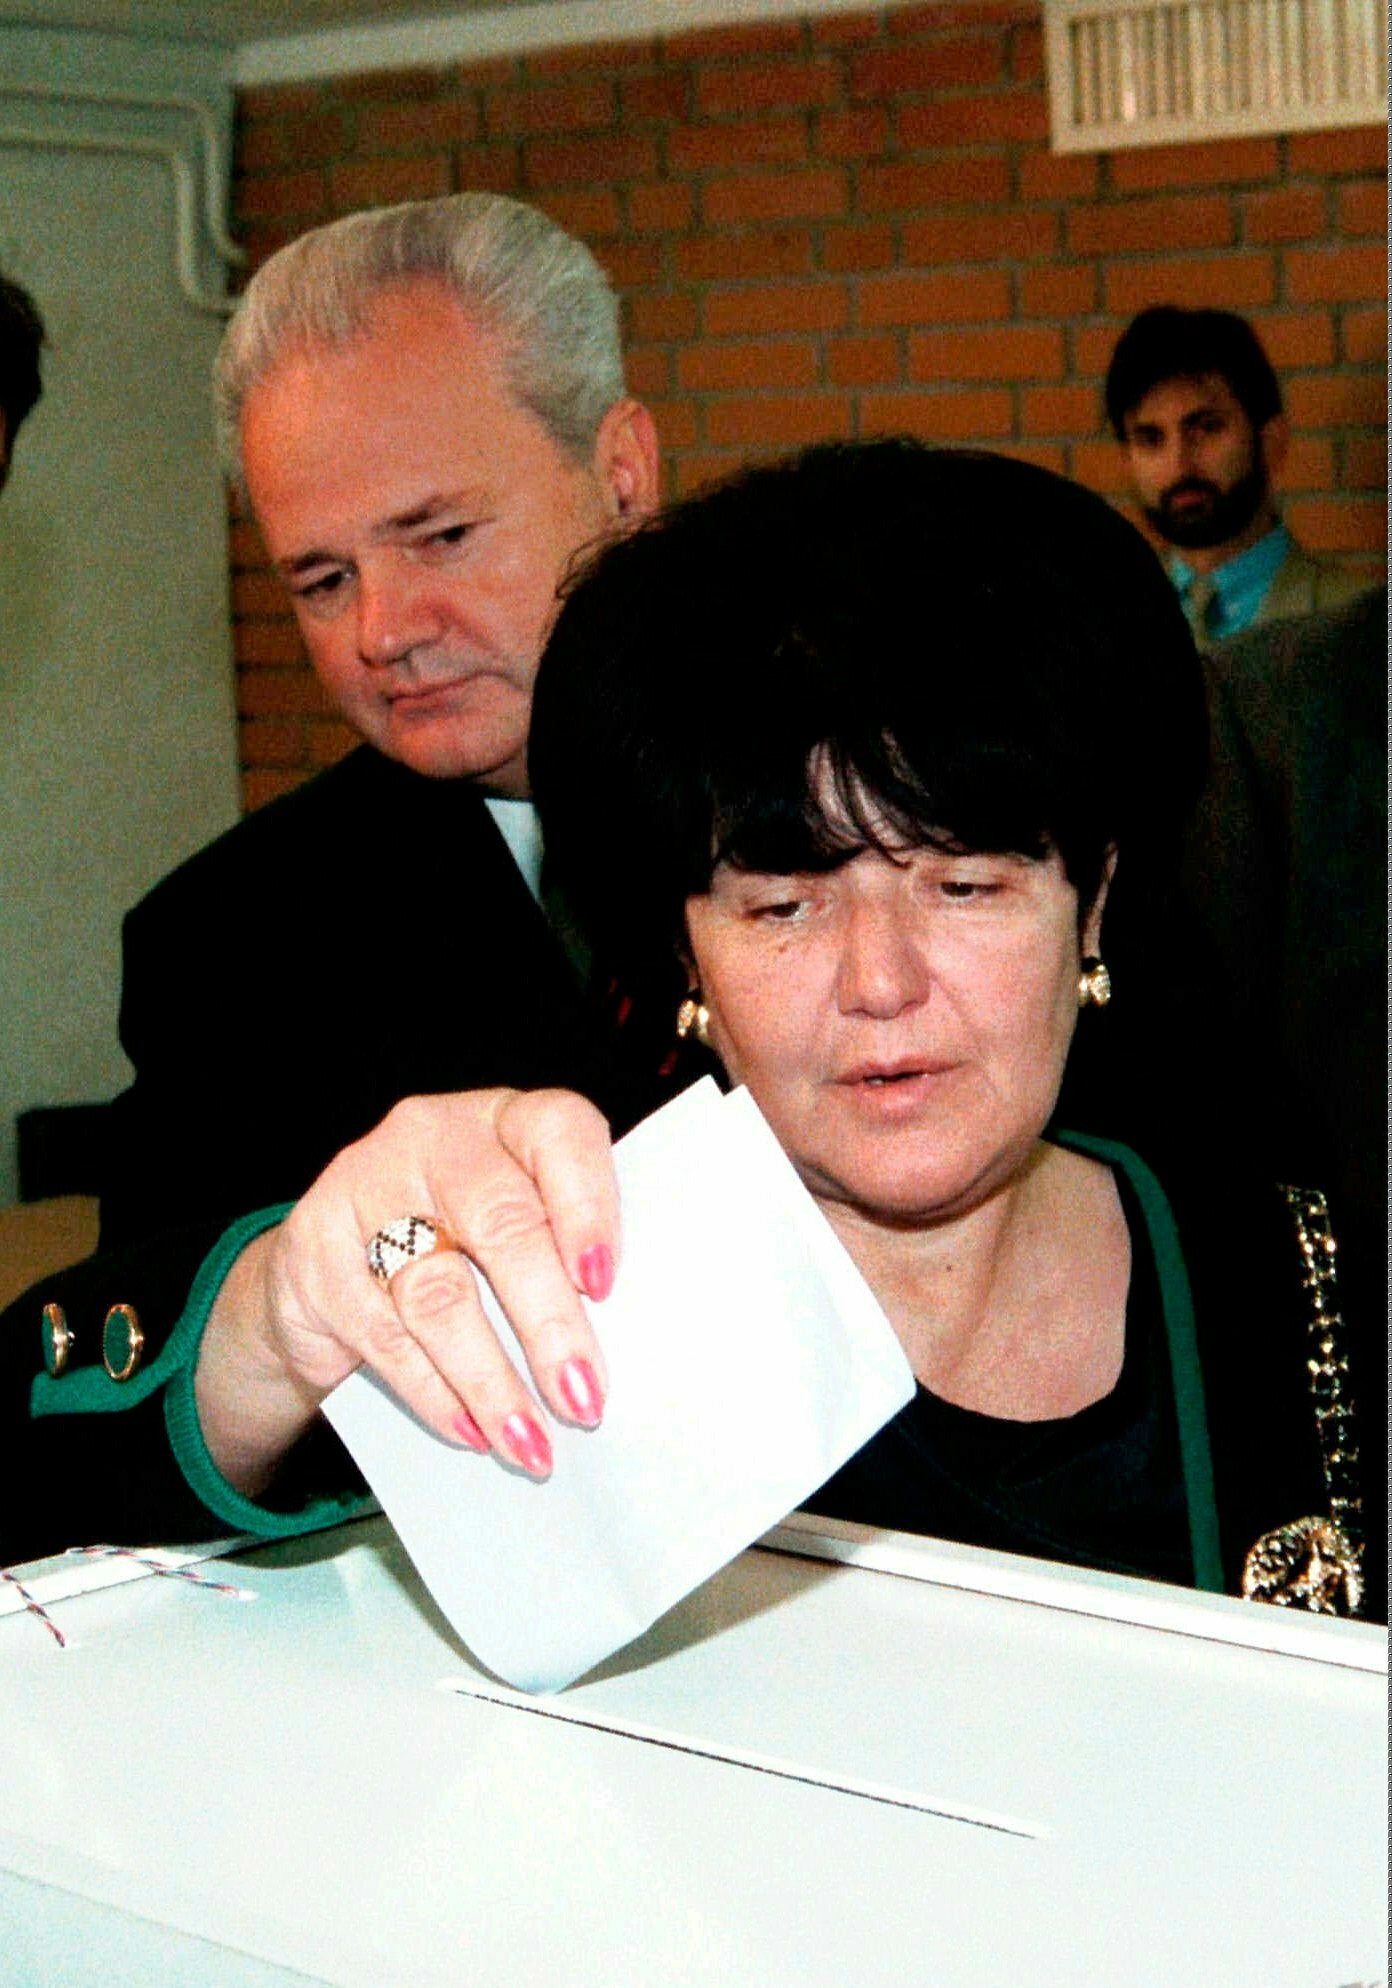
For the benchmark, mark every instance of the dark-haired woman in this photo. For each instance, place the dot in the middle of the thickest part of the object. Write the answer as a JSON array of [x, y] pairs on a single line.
[[849, 766]]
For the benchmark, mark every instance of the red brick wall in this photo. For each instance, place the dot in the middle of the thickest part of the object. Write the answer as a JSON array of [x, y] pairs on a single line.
[[843, 226]]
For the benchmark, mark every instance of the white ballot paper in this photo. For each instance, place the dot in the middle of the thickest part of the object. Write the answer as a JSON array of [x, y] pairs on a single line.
[[747, 1361]]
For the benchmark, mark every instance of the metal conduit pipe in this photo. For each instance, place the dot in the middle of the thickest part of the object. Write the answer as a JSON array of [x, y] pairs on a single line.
[[185, 194], [215, 170]]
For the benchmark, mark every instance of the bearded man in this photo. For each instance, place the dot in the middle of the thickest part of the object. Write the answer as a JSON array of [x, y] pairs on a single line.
[[1194, 402]]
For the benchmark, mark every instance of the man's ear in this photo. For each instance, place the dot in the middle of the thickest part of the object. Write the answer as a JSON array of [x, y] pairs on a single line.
[[1090, 937], [626, 461], [1274, 436]]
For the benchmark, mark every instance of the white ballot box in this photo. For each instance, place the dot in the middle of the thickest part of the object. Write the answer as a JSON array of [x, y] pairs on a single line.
[[937, 1766]]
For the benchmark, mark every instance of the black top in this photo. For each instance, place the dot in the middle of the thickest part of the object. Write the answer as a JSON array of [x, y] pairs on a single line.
[[1101, 1488]]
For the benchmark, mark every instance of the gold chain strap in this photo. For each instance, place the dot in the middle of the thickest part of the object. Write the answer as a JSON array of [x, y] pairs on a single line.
[[1317, 1563]]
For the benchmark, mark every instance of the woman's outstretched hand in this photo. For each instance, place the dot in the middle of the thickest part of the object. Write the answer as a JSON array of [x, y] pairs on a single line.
[[523, 1183]]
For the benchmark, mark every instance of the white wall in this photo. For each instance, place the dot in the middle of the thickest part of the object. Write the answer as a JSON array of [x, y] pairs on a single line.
[[117, 728]]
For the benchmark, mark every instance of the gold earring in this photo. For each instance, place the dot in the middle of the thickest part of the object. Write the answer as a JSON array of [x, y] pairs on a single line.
[[1094, 984], [693, 1018]]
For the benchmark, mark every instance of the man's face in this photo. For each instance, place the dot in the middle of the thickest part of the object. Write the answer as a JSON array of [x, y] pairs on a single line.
[[1198, 467], [422, 520]]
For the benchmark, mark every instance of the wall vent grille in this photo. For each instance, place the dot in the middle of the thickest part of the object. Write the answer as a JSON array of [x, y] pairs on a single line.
[[1153, 72]]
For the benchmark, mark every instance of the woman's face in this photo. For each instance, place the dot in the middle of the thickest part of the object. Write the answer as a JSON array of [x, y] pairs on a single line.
[[901, 1022]]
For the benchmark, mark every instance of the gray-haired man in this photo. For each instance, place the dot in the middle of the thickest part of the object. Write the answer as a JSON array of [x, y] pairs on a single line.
[[426, 406]]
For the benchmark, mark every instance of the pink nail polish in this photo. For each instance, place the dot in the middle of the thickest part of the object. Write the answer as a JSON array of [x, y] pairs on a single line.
[[597, 1271], [580, 1390], [468, 1431], [527, 1442]]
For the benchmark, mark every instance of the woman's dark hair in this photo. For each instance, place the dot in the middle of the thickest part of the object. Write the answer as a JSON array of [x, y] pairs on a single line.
[[979, 653]]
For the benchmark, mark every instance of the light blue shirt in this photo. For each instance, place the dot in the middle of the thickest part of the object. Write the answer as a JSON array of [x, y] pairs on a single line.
[[1241, 583]]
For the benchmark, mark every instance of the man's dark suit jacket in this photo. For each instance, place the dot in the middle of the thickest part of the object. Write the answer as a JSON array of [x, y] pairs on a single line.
[[364, 939]]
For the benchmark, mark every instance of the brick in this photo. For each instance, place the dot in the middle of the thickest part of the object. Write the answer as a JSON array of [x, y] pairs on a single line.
[[275, 643], [648, 371], [991, 118], [1364, 335], [852, 134], [975, 237], [946, 416], [698, 469], [489, 72], [1329, 524], [768, 86], [417, 127], [257, 594], [589, 212], [765, 252], [676, 422], [522, 113], [664, 99], [1059, 290], [1115, 227], [558, 161], [258, 787], [778, 420], [947, 62], [279, 694], [1336, 400], [621, 53], [630, 264], [865, 360], [703, 148], [817, 191], [732, 44], [1363, 208], [382, 182], [955, 299], [259, 244], [857, 246], [932, 183], [1291, 214], [1044, 455], [844, 30], [669, 314], [277, 195], [1337, 275], [663, 208], [1100, 465], [1296, 338], [1215, 163], [1309, 464], [775, 307], [1232, 282], [1360, 149], [1365, 462], [392, 85], [245, 550], [287, 143], [1058, 175], [277, 100], [746, 364], [329, 740], [1059, 411], [1000, 352], [490, 169], [936, 19], [1093, 345], [1026, 63], [270, 742]]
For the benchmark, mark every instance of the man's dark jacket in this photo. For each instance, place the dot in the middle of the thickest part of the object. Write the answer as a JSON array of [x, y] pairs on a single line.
[[366, 938]]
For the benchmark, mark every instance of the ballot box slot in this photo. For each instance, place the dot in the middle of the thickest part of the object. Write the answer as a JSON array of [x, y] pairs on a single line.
[[885, 1796]]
